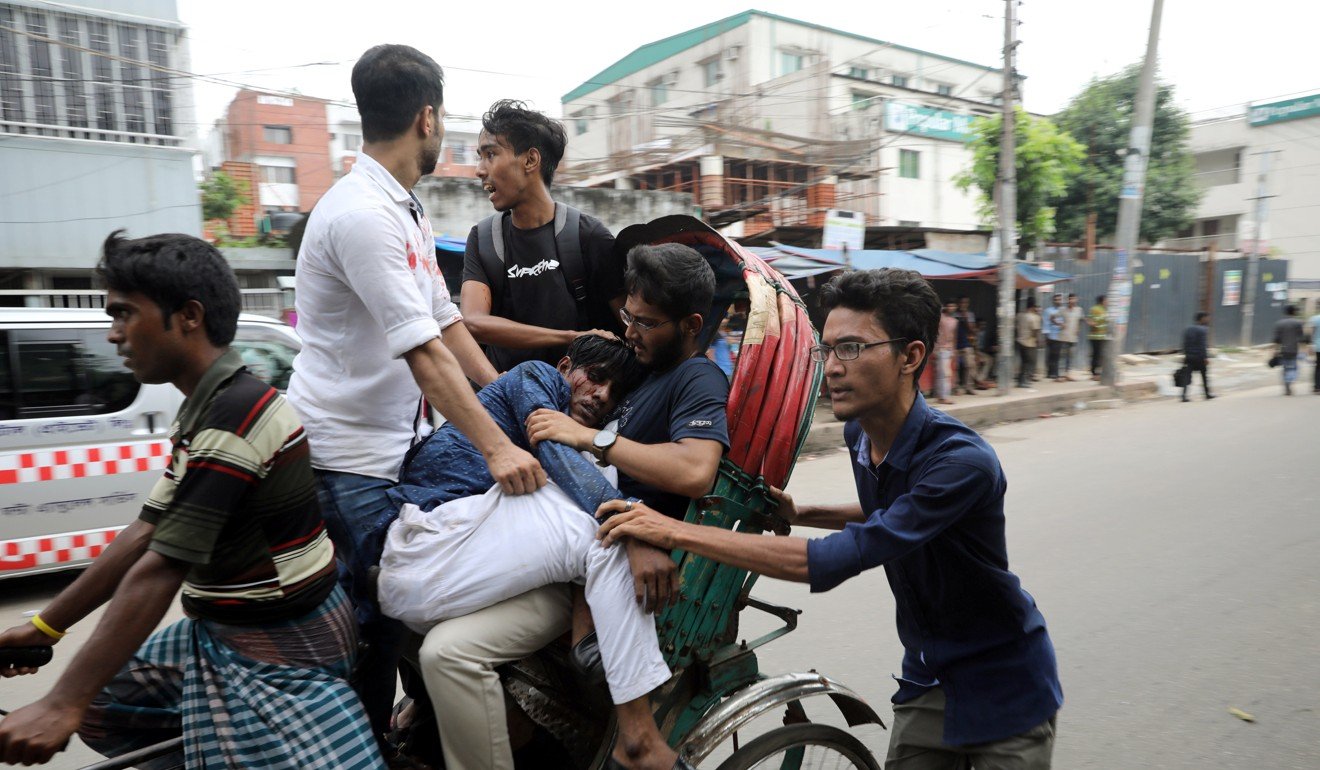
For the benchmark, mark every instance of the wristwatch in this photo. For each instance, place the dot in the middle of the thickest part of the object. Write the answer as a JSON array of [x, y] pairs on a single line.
[[601, 444]]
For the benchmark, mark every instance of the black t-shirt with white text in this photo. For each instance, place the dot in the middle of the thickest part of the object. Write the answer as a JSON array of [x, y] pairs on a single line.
[[688, 401], [535, 289]]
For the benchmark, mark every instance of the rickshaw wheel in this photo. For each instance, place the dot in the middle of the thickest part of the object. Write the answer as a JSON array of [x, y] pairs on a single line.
[[802, 747]]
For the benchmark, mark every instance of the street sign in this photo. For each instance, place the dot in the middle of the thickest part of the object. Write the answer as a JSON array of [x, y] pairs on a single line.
[[844, 229]]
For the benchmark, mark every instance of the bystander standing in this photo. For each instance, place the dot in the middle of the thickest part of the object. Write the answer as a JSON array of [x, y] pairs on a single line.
[[1288, 336], [1196, 354]]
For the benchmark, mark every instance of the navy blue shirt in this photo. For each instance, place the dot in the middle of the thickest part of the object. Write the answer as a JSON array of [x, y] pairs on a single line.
[[936, 525], [446, 465], [688, 401]]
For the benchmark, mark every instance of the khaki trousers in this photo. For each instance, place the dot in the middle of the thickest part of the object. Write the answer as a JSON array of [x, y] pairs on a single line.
[[458, 659], [917, 742]]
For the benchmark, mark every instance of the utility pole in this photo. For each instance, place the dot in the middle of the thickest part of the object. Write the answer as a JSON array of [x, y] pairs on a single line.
[[1129, 203], [1007, 200], [1258, 248]]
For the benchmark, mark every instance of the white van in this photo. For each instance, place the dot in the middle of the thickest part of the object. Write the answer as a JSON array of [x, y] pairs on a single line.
[[81, 441]]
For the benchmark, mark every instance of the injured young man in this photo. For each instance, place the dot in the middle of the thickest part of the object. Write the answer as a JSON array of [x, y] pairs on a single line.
[[460, 544]]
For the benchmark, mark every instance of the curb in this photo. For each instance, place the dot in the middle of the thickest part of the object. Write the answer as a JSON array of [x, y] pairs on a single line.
[[827, 433]]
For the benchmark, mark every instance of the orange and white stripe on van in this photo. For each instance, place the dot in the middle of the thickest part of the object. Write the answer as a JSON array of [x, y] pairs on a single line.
[[84, 461], [37, 552]]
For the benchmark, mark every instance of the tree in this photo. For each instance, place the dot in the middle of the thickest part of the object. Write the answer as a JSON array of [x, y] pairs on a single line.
[[1101, 118], [1046, 159], [220, 197]]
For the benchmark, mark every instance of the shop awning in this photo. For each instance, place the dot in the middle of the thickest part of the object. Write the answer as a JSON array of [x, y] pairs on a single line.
[[932, 264]]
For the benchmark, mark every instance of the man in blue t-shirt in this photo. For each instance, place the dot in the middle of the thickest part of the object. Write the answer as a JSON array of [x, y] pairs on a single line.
[[979, 684], [670, 438]]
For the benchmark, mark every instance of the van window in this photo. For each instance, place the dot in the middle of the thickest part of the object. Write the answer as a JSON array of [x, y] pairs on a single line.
[[268, 354], [62, 373]]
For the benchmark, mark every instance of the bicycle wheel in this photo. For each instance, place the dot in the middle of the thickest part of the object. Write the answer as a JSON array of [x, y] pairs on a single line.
[[802, 747]]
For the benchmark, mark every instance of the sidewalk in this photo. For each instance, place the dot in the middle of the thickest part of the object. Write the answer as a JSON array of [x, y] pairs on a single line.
[[1142, 377]]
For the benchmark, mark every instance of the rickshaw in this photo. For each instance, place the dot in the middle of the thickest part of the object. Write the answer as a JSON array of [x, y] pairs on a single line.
[[717, 688]]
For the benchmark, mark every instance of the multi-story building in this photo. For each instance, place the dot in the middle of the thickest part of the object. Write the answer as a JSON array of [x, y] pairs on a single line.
[[287, 138], [96, 119], [1283, 140], [771, 121]]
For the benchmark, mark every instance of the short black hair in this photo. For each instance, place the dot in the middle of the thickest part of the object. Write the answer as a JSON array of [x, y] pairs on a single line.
[[1031, 302], [902, 301], [171, 269], [524, 128], [1071, 295], [671, 276], [611, 359], [1099, 299], [1201, 316], [391, 84], [1290, 310]]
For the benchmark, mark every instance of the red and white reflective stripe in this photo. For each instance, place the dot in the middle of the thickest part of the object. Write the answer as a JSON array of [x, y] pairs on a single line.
[[35, 552], [81, 462]]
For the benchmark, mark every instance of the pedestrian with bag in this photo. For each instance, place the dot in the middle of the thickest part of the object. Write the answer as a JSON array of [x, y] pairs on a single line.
[[1288, 337], [1196, 354]]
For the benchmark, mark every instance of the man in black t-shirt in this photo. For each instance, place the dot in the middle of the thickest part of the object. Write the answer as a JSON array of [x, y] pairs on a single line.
[[538, 285]]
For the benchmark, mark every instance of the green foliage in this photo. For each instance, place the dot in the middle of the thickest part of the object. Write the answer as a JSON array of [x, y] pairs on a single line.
[[1046, 159], [220, 197], [1101, 118]]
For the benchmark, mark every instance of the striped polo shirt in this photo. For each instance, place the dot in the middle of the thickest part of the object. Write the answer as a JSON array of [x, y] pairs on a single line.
[[238, 503]]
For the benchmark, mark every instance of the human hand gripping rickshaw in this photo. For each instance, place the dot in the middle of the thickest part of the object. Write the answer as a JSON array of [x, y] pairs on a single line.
[[717, 689]]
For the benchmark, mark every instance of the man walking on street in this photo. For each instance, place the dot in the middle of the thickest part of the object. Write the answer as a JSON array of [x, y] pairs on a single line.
[[537, 273], [979, 684], [1314, 336], [1097, 322], [967, 368], [1053, 323], [1196, 354], [1028, 340], [382, 340], [1288, 338], [1072, 323], [945, 342]]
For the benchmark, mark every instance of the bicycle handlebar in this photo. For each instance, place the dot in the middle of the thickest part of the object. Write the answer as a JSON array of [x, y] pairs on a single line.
[[25, 657]]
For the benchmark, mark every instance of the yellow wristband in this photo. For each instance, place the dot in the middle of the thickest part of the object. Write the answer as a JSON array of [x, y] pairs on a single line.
[[45, 628]]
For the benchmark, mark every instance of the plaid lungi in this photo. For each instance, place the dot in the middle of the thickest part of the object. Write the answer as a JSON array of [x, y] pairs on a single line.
[[244, 697]]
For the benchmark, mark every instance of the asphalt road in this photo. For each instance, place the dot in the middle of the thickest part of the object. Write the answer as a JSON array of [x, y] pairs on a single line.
[[1172, 548]]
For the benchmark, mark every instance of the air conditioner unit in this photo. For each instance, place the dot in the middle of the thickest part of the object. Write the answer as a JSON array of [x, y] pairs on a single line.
[[731, 53], [670, 79]]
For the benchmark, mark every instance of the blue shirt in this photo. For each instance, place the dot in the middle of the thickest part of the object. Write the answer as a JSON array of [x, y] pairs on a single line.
[[688, 401], [446, 465], [936, 525], [1053, 321]]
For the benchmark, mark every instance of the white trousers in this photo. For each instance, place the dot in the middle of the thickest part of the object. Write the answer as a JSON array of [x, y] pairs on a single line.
[[478, 551]]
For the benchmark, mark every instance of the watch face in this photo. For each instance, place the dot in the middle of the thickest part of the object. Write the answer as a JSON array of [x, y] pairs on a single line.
[[604, 439]]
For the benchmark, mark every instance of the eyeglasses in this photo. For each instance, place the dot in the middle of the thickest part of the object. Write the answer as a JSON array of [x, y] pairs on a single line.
[[847, 351], [646, 326]]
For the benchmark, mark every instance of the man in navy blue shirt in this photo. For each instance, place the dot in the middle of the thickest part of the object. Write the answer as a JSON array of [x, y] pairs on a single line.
[[979, 685]]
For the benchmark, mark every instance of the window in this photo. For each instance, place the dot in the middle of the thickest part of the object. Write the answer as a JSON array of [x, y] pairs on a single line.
[[909, 164], [582, 120], [277, 134], [103, 73], [908, 223], [944, 89], [789, 62], [61, 373], [899, 80], [135, 117], [711, 71], [267, 354], [39, 64], [858, 72], [458, 152], [658, 90], [278, 175], [861, 100], [11, 84], [352, 142], [75, 94], [158, 54]]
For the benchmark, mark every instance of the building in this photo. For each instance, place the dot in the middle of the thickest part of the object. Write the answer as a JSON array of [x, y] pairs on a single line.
[[771, 121], [1231, 153], [287, 138], [96, 134]]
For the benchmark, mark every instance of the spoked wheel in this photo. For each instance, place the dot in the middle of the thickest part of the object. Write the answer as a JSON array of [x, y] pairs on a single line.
[[802, 747]]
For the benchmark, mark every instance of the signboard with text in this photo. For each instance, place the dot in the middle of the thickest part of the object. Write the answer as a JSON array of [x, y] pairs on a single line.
[[844, 228], [1288, 109], [1232, 287], [907, 118]]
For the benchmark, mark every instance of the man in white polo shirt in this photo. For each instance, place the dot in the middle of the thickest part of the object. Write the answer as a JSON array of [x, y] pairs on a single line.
[[379, 332]]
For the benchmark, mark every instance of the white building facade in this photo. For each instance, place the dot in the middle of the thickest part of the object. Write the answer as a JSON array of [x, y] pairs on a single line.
[[766, 108], [96, 133], [1231, 153]]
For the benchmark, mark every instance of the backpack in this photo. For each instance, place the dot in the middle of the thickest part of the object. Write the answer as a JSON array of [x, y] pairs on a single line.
[[568, 244]]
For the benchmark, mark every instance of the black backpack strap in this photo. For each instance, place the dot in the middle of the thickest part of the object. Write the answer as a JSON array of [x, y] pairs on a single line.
[[490, 247], [568, 242]]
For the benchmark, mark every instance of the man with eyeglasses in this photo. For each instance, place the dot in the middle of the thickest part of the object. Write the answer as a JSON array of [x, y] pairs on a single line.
[[979, 685]]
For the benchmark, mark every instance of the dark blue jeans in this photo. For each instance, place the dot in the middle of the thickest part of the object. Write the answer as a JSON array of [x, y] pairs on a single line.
[[357, 514]]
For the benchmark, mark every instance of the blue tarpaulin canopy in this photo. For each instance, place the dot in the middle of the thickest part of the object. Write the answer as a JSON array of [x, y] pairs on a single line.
[[451, 245], [932, 264]]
